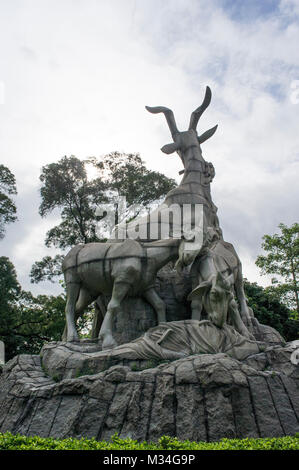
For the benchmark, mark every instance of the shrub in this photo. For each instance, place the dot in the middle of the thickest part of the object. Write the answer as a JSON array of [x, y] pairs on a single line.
[[9, 441]]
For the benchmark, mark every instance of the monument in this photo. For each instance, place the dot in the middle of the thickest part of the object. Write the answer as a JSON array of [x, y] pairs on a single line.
[[175, 349]]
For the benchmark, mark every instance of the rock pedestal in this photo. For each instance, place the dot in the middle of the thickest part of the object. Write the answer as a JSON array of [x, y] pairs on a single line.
[[70, 390], [201, 397]]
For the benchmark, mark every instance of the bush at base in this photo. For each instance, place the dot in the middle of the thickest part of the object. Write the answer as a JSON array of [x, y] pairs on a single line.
[[10, 441]]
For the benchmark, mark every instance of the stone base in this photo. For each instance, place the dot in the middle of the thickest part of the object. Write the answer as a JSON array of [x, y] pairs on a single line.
[[201, 397]]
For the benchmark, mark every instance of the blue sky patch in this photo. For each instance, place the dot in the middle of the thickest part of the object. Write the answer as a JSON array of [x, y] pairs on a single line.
[[249, 10]]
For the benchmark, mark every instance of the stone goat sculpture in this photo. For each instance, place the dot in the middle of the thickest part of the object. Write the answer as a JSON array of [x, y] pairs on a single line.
[[194, 189], [195, 185], [116, 269], [216, 275], [217, 298]]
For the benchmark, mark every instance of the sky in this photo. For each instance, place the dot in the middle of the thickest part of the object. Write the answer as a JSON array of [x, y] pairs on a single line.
[[76, 75]]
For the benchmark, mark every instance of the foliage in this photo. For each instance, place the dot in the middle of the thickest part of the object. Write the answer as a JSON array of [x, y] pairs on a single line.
[[7, 207], [26, 322], [9, 441], [127, 175], [47, 269], [282, 259], [269, 310], [10, 292], [67, 187]]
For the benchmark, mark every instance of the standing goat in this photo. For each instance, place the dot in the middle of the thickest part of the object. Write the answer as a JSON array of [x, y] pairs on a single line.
[[118, 269], [194, 189]]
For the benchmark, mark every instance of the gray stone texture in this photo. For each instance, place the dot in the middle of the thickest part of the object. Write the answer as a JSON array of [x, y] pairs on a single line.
[[138, 315], [201, 397]]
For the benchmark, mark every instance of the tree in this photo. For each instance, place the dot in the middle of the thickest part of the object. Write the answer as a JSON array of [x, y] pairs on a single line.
[[7, 207], [282, 258], [269, 310], [10, 292], [46, 269], [67, 187], [27, 322], [127, 175]]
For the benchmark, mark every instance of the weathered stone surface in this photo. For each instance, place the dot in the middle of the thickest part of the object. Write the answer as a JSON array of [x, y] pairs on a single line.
[[244, 414], [265, 412], [276, 358], [283, 406], [265, 333], [70, 360], [117, 411], [201, 397], [138, 414], [138, 315], [45, 413], [91, 419], [162, 420], [66, 415], [220, 417], [190, 415]]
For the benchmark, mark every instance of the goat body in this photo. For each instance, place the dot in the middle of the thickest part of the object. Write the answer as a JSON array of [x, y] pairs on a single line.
[[118, 269]]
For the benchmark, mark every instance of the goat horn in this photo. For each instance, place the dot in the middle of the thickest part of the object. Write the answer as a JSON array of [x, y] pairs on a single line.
[[169, 117], [198, 112]]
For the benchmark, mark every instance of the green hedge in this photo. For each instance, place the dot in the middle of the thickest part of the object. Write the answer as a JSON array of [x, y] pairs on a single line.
[[9, 441]]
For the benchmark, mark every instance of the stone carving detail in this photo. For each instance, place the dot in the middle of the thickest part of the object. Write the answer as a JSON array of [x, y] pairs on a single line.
[[177, 339], [216, 268]]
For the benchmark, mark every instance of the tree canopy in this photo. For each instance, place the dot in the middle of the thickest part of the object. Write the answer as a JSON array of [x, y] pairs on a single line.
[[8, 209], [282, 259], [269, 310], [28, 321], [67, 187], [127, 175]]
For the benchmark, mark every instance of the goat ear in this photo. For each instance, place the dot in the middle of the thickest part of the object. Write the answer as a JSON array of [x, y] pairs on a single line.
[[206, 135], [200, 290], [170, 148]]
